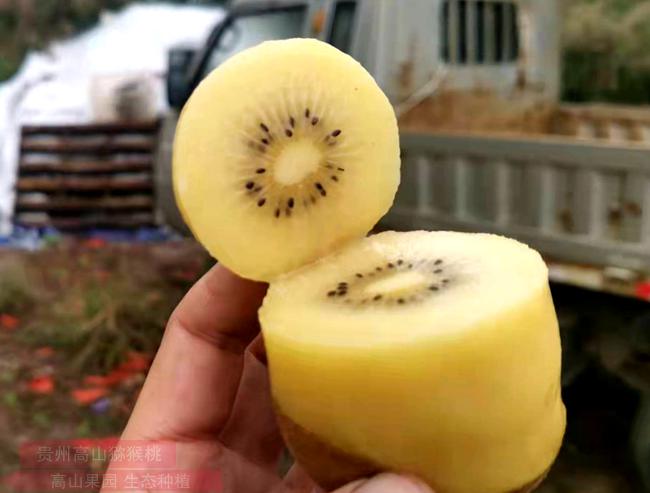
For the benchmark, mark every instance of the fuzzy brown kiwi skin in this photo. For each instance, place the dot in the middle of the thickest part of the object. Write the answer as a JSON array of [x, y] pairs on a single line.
[[332, 468]]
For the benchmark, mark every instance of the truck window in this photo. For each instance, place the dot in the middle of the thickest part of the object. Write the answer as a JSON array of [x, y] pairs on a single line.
[[249, 30], [479, 32], [343, 24]]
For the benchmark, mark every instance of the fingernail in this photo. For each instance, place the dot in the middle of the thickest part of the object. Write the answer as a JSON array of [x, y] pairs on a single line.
[[393, 483]]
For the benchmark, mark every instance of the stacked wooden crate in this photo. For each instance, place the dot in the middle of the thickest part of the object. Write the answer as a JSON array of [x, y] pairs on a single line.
[[78, 177]]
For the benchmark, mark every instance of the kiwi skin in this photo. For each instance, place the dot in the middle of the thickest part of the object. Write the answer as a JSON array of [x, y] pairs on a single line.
[[332, 468]]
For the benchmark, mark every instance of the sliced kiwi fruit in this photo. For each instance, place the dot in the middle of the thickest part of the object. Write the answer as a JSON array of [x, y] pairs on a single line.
[[283, 153], [436, 354]]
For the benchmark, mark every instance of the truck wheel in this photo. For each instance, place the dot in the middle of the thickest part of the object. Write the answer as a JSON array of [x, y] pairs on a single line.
[[641, 441]]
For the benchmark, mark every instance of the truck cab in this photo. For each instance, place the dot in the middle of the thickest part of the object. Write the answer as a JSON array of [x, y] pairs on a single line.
[[248, 23], [472, 55], [491, 45]]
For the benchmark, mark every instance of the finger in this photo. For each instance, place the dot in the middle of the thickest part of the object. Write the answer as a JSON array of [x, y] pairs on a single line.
[[193, 381], [298, 481], [242, 476], [221, 308], [252, 430], [258, 350], [386, 483]]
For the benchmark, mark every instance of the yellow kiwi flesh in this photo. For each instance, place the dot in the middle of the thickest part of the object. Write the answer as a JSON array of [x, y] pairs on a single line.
[[282, 154], [436, 354]]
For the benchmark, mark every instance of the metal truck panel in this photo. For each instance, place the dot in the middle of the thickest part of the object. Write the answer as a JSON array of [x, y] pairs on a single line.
[[579, 202]]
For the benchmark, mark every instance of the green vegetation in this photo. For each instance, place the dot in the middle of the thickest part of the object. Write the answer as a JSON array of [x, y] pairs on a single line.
[[606, 54]]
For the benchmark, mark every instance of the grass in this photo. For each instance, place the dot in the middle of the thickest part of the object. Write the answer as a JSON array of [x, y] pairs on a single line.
[[15, 292], [91, 307]]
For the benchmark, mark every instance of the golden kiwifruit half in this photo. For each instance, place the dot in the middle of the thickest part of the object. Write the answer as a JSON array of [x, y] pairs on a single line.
[[283, 153], [431, 353]]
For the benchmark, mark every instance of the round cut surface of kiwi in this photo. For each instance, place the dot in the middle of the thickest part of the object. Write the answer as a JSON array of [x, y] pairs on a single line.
[[283, 153], [436, 354]]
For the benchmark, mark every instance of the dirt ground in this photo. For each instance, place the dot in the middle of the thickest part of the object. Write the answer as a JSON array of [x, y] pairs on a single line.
[[79, 324]]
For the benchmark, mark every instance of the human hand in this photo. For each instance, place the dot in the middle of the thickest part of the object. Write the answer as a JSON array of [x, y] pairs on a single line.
[[207, 394]]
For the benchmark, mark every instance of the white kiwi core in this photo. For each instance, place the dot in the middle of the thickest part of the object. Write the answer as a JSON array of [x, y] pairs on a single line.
[[296, 161], [397, 283]]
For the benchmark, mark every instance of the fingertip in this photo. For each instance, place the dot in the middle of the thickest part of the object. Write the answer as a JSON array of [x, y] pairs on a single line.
[[221, 305], [221, 279], [387, 483]]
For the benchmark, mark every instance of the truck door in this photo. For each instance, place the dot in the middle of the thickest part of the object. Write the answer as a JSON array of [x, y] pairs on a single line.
[[250, 28], [342, 21]]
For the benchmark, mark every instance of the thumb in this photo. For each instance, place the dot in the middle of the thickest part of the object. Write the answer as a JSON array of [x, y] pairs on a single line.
[[386, 483]]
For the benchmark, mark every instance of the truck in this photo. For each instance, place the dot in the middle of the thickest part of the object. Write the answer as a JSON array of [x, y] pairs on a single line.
[[488, 146]]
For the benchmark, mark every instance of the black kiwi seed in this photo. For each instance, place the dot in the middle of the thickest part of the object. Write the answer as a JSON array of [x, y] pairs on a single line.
[[264, 143], [331, 293], [438, 262], [352, 290], [437, 271]]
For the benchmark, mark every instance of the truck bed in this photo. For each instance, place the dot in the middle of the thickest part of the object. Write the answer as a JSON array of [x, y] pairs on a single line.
[[584, 204]]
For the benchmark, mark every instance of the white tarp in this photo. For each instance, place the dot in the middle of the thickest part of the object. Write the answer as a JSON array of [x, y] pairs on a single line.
[[54, 86]]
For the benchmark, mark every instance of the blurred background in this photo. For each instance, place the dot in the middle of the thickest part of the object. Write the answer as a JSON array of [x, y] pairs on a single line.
[[527, 118]]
